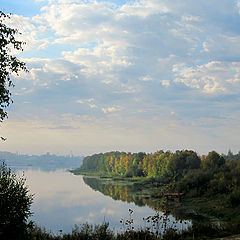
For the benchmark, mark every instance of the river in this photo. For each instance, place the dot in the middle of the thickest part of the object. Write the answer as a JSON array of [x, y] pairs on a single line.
[[62, 200]]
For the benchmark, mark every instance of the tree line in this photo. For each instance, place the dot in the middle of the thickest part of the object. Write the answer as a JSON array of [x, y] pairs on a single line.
[[165, 165], [182, 171]]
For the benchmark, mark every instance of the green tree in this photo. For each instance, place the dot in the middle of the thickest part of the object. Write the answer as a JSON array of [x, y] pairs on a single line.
[[213, 161], [15, 203], [9, 63], [182, 161]]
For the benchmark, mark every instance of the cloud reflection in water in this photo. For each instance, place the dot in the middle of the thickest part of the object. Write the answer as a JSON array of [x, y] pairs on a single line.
[[62, 200]]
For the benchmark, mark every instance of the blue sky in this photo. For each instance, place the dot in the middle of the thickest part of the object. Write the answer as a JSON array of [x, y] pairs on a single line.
[[125, 75]]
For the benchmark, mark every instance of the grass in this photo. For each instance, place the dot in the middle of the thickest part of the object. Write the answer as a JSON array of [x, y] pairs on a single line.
[[103, 232], [215, 208]]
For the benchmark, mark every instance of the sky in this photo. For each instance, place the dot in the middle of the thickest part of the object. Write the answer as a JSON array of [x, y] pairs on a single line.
[[126, 75]]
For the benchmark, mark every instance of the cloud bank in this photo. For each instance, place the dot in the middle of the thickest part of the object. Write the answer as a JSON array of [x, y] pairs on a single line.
[[135, 75]]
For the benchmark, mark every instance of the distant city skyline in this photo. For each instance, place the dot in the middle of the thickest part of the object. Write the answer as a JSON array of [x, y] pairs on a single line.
[[42, 154], [125, 75]]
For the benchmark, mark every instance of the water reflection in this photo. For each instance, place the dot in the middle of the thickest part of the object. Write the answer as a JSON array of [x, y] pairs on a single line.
[[130, 192], [62, 200], [120, 190]]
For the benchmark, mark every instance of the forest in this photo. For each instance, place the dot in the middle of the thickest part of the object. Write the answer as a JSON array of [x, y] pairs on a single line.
[[182, 171]]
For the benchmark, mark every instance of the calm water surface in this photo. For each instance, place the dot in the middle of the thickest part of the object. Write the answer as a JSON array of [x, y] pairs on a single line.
[[62, 199]]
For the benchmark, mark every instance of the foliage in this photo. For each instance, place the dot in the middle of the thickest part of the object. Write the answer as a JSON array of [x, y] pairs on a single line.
[[215, 176], [213, 161], [90, 232], [183, 171], [194, 182], [15, 202], [164, 165], [8, 63], [235, 198], [102, 232]]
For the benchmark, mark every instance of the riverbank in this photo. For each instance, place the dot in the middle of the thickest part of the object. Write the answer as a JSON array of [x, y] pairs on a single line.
[[103, 232], [149, 191]]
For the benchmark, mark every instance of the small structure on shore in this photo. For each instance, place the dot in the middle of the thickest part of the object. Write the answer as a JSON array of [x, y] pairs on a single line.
[[173, 196]]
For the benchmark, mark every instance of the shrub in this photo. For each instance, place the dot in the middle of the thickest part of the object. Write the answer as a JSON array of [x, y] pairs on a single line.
[[15, 202], [235, 198]]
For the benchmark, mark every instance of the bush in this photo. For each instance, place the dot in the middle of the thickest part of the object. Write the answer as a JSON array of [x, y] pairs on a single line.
[[235, 198], [15, 202], [196, 182], [138, 234], [89, 232]]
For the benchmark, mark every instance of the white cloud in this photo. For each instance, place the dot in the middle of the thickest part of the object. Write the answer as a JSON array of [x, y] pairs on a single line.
[[213, 77], [100, 59], [191, 18], [93, 106], [31, 34], [165, 83], [82, 101], [145, 78], [111, 109], [105, 211], [222, 46], [143, 8], [95, 59]]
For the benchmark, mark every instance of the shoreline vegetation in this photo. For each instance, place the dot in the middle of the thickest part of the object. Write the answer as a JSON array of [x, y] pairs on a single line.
[[210, 184], [103, 232]]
